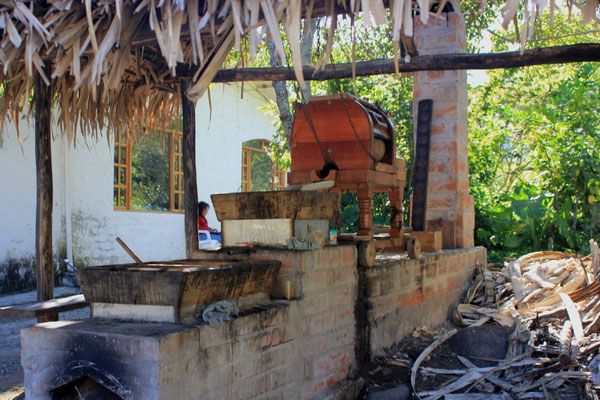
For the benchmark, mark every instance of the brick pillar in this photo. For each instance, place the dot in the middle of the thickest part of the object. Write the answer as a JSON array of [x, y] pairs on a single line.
[[448, 196]]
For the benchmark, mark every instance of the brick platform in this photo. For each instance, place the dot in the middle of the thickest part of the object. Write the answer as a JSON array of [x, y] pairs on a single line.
[[306, 347], [400, 294], [302, 347]]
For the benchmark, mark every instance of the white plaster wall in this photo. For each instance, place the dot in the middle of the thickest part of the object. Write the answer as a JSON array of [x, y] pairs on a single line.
[[219, 139], [89, 179], [18, 192], [96, 225]]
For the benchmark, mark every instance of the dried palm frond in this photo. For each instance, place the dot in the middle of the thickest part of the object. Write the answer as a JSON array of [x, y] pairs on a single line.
[[103, 50]]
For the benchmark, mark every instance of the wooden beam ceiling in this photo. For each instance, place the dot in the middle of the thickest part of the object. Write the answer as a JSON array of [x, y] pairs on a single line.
[[540, 56]]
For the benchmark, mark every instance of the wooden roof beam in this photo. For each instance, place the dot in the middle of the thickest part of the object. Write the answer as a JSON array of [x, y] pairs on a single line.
[[540, 56]]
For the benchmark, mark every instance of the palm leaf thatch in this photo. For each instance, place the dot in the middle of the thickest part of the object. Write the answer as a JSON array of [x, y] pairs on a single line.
[[113, 62]]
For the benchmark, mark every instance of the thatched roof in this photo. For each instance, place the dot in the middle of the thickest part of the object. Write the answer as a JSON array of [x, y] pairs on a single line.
[[111, 62]]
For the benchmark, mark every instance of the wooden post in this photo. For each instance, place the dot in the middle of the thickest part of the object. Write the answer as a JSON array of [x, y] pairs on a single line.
[[365, 217], [190, 187], [43, 221], [396, 223]]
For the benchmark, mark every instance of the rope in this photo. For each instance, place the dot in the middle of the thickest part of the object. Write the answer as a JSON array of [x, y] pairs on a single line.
[[356, 133], [309, 120]]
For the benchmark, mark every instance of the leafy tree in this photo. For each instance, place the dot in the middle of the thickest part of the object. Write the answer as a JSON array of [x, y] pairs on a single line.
[[150, 173], [534, 152]]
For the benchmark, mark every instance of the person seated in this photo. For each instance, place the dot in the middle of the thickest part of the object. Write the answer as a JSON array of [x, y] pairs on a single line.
[[203, 208]]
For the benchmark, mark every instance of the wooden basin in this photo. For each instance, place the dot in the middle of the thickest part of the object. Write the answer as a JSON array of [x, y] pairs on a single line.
[[175, 291], [290, 204]]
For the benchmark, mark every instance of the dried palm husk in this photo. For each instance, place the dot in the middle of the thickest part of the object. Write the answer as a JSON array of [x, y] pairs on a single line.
[[101, 49]]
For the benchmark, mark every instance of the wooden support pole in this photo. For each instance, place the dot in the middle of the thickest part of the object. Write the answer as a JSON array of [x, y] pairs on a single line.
[[396, 224], [43, 221], [365, 217], [190, 186], [438, 62]]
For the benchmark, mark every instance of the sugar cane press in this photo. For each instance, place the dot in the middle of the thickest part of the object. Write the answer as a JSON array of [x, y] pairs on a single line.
[[351, 142]]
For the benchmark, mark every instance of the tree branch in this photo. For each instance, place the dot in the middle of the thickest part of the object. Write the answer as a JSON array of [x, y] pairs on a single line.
[[539, 56]]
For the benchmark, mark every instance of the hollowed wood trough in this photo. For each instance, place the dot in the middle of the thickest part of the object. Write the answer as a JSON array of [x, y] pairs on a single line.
[[172, 291]]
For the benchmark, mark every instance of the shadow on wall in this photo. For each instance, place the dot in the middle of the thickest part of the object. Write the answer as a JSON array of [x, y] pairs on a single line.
[[18, 275]]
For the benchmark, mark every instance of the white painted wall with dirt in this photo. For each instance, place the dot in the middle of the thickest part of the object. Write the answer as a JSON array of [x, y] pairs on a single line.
[[85, 174]]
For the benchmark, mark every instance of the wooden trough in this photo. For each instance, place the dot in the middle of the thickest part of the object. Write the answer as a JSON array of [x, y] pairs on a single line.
[[270, 218], [172, 291]]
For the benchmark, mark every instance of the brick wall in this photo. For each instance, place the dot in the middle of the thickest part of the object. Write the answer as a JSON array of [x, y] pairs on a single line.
[[298, 348], [304, 348], [401, 294], [326, 289], [448, 189]]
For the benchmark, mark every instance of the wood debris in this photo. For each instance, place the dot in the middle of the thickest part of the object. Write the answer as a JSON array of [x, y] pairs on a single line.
[[550, 301]]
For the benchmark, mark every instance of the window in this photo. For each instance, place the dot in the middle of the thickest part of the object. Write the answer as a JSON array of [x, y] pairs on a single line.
[[148, 172], [258, 171]]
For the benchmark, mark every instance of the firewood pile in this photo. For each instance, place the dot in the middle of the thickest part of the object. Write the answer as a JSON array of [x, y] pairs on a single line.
[[550, 301]]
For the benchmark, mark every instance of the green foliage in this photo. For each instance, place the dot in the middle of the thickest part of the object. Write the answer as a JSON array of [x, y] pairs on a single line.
[[150, 174], [533, 132], [534, 155]]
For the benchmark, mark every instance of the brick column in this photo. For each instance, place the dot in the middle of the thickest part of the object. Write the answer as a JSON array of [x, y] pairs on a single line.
[[448, 189]]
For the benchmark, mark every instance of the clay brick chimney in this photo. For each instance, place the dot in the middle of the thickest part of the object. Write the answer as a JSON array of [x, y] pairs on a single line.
[[448, 196]]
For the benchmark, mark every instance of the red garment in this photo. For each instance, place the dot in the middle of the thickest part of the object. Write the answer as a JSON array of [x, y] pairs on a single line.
[[202, 223]]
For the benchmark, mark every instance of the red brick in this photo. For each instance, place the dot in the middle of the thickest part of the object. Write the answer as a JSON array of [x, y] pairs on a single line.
[[443, 147], [383, 303], [454, 264], [344, 316], [463, 183], [348, 255], [446, 165], [289, 261], [442, 183], [443, 200], [315, 281], [314, 345], [345, 275], [442, 270], [448, 111], [463, 166], [334, 256], [444, 93], [341, 297], [315, 303], [428, 293], [333, 362], [342, 336], [453, 283], [411, 299], [322, 322], [322, 258], [431, 271]]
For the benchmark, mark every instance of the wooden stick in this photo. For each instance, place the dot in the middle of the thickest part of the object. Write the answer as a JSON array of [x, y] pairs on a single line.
[[129, 251], [573, 316], [190, 186], [595, 257], [424, 354], [438, 62], [590, 347], [492, 378], [472, 377], [564, 356], [44, 201]]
